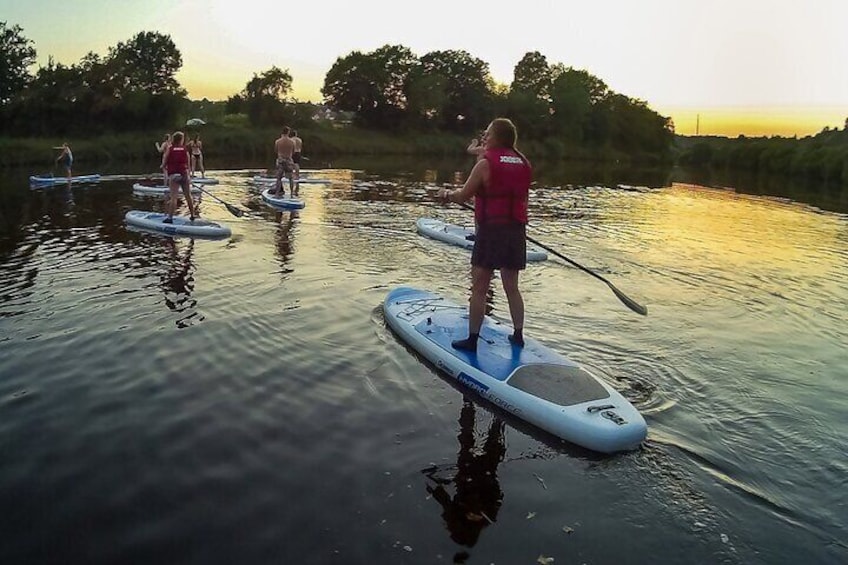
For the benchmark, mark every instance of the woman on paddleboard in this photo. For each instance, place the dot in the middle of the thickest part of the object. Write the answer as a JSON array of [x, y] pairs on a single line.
[[196, 148], [500, 186], [175, 166], [65, 158], [166, 142]]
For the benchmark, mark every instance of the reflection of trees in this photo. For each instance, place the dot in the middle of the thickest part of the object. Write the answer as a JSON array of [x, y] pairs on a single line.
[[178, 283], [477, 494]]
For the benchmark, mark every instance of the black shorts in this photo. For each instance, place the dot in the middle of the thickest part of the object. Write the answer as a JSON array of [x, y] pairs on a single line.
[[296, 157], [500, 246]]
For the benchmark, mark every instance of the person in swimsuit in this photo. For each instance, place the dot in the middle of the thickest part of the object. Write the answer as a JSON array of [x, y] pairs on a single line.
[[500, 185], [196, 148], [296, 155], [65, 158], [284, 148], [166, 141], [175, 165]]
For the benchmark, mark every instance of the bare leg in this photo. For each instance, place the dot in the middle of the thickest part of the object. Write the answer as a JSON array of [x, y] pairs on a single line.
[[172, 201], [278, 186], [509, 280], [192, 209], [481, 278]]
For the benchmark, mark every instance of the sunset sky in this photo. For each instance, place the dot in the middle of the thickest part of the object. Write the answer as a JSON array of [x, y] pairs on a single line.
[[756, 67]]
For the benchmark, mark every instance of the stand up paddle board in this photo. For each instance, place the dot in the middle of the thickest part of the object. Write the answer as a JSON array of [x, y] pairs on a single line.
[[204, 180], [181, 225], [158, 190], [534, 382], [462, 236], [301, 180], [49, 181], [282, 201]]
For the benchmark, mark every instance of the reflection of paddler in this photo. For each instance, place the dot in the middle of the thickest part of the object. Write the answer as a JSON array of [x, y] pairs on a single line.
[[178, 280], [478, 494], [283, 237]]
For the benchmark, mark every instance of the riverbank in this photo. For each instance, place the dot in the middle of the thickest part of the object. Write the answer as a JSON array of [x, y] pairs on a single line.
[[256, 144]]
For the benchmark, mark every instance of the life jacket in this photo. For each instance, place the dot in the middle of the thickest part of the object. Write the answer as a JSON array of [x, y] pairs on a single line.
[[177, 159], [504, 199]]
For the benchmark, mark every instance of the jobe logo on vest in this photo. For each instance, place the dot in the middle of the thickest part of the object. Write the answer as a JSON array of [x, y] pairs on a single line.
[[511, 159]]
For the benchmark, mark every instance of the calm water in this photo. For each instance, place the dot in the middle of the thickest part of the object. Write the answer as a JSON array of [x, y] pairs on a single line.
[[242, 401]]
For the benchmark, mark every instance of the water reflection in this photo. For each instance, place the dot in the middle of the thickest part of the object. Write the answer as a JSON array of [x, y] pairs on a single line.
[[284, 239], [477, 495], [178, 282]]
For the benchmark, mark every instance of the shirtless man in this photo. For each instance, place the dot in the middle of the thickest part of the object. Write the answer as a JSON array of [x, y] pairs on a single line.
[[296, 156], [284, 146]]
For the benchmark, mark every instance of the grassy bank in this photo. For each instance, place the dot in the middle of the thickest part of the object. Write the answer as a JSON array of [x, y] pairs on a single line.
[[256, 144]]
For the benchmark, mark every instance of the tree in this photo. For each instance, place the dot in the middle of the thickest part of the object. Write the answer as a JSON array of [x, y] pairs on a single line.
[[274, 83], [263, 97], [16, 55], [148, 62], [466, 88], [374, 85], [533, 74]]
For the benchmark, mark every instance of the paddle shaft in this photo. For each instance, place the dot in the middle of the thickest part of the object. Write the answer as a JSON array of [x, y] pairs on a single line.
[[626, 300], [232, 209]]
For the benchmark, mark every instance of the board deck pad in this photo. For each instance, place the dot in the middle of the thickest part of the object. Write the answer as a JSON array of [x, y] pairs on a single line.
[[559, 384]]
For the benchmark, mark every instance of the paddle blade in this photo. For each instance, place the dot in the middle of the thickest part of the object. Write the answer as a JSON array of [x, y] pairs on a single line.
[[238, 212], [627, 301]]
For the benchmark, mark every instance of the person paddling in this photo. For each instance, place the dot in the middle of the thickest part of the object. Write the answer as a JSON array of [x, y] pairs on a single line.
[[65, 158], [161, 147], [175, 166], [284, 148], [196, 147], [296, 155], [500, 186]]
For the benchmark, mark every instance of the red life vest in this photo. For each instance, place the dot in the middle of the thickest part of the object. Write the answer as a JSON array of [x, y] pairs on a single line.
[[177, 160], [504, 199]]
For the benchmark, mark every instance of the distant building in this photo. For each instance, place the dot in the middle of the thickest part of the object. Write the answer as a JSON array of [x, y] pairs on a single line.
[[336, 118]]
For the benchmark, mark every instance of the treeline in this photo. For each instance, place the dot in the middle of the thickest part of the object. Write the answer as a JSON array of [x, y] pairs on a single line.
[[823, 157], [391, 90]]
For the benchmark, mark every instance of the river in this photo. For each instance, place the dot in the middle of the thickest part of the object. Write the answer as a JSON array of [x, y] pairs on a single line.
[[242, 400]]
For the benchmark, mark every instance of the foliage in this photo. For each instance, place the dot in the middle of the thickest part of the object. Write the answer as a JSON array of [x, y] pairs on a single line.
[[133, 85], [16, 55], [823, 157], [263, 98]]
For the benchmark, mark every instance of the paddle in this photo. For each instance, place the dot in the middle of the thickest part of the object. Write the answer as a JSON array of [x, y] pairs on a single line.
[[629, 302], [238, 212]]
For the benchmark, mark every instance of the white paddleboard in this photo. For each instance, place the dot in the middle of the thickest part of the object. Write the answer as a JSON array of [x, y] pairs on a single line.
[[204, 180], [462, 236], [50, 181], [158, 190], [301, 180], [181, 225], [282, 201], [534, 382]]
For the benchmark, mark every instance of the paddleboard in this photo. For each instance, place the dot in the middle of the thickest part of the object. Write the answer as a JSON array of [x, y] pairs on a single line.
[[462, 236], [282, 201], [63, 180], [204, 180], [158, 190], [534, 382], [181, 225], [301, 180]]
